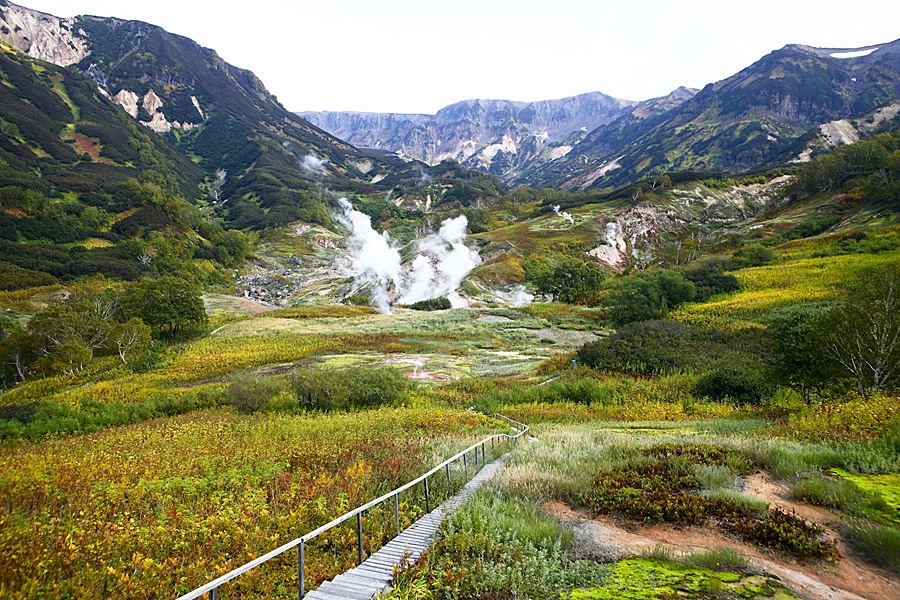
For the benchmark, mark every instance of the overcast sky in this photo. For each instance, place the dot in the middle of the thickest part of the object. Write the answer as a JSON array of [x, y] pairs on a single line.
[[421, 55]]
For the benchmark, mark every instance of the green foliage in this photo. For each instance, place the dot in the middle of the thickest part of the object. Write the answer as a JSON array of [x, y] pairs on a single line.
[[733, 382], [840, 494], [568, 280], [659, 347], [496, 547], [751, 255], [648, 295], [718, 559], [433, 304], [863, 335], [349, 388], [869, 168], [168, 304], [40, 420], [661, 490], [710, 279], [798, 356], [249, 394]]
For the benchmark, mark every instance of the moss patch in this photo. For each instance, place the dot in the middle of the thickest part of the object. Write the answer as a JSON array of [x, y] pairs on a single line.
[[639, 579], [885, 487]]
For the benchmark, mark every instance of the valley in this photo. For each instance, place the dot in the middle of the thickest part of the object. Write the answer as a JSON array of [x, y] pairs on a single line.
[[224, 324]]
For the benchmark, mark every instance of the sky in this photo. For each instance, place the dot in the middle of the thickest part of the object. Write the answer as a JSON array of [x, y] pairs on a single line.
[[421, 55]]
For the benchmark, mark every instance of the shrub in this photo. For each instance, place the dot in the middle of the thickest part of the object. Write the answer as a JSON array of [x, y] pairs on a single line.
[[433, 304], [348, 388], [659, 347], [249, 394], [732, 382]]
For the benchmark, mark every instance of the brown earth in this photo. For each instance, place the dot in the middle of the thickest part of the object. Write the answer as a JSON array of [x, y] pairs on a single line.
[[846, 578]]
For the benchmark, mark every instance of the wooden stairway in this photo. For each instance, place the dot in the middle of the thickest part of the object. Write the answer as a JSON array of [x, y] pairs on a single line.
[[376, 572]]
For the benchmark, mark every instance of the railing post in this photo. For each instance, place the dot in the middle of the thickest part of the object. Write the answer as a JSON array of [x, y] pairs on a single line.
[[483, 459], [301, 570], [476, 459], [466, 466], [359, 535], [397, 512], [449, 488], [427, 499], [213, 593]]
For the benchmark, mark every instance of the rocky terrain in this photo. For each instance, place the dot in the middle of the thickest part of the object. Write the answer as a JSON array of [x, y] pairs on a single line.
[[497, 136]]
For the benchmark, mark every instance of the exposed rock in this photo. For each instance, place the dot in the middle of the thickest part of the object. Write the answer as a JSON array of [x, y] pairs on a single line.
[[127, 100], [43, 36], [478, 132]]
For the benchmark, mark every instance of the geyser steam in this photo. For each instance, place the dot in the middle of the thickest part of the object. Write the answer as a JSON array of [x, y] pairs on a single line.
[[443, 261], [564, 214]]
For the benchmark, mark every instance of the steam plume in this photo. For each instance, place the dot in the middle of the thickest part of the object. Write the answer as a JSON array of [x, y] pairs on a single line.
[[313, 163], [564, 215], [442, 261], [373, 259]]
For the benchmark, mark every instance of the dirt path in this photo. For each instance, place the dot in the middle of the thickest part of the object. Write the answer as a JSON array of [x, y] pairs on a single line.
[[847, 578]]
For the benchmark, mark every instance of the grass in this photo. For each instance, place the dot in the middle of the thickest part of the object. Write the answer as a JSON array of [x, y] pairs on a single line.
[[796, 281], [877, 543], [718, 559], [838, 494]]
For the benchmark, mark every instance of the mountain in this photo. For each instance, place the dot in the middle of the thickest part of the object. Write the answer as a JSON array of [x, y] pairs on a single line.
[[500, 137], [736, 124], [262, 160]]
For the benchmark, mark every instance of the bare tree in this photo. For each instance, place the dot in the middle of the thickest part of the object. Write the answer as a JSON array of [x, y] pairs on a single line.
[[864, 334]]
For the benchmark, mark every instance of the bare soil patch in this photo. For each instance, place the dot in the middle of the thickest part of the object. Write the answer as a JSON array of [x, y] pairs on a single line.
[[847, 578]]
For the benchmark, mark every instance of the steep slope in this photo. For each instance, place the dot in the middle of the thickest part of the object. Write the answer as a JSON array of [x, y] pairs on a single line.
[[59, 132], [738, 123], [259, 157], [496, 136]]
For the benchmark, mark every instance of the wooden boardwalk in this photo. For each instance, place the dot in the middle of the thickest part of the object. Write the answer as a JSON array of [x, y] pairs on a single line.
[[376, 572]]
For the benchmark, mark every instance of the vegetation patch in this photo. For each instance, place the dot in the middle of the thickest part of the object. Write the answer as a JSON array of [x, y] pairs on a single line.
[[664, 490], [650, 579]]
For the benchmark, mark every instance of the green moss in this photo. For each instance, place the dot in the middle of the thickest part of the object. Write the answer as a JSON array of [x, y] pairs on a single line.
[[649, 579], [885, 487]]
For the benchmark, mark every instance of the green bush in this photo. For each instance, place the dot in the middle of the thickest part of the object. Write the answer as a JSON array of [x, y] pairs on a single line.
[[740, 384], [349, 388], [433, 304], [660, 347]]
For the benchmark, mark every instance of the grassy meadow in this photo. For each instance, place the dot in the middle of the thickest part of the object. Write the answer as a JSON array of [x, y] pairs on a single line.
[[150, 478]]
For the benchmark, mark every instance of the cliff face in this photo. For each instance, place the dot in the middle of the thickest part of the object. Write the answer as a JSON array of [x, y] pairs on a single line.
[[498, 136], [43, 36]]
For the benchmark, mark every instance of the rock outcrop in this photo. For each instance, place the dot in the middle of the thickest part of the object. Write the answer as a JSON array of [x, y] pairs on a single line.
[[42, 36], [498, 136]]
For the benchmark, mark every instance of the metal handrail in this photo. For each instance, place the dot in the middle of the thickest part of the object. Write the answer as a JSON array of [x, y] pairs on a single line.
[[213, 586]]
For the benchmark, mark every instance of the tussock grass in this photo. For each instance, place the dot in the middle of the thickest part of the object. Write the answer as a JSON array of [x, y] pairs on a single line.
[[738, 498], [718, 559], [713, 477], [840, 494], [877, 543]]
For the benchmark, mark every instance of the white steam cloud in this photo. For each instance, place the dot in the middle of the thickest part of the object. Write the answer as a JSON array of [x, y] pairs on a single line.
[[443, 261], [516, 297], [313, 163], [564, 215]]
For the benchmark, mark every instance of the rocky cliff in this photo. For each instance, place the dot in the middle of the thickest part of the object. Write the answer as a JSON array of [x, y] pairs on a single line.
[[497, 136], [42, 36]]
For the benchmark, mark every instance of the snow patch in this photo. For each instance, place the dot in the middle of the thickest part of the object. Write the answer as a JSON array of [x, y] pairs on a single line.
[[852, 53]]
